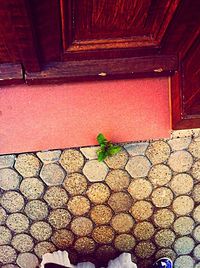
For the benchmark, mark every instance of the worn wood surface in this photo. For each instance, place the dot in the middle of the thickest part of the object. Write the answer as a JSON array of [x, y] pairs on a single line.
[[11, 74], [106, 69]]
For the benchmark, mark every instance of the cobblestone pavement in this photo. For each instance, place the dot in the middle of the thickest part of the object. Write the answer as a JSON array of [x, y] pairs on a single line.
[[144, 200]]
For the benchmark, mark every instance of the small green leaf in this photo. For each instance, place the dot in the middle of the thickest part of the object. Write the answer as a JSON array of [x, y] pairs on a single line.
[[101, 139], [101, 156], [103, 147], [114, 150]]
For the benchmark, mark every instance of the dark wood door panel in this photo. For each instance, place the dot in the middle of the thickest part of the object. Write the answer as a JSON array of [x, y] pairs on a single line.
[[186, 90], [45, 15], [110, 19], [183, 28], [111, 24], [191, 79]]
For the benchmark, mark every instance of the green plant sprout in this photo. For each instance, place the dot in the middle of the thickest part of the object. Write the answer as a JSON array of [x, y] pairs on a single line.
[[106, 148]]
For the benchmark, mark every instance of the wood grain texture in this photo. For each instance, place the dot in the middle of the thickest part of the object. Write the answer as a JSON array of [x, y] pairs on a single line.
[[47, 26], [8, 49], [186, 90], [108, 24], [176, 99], [17, 33], [191, 75], [11, 74], [105, 69], [183, 28]]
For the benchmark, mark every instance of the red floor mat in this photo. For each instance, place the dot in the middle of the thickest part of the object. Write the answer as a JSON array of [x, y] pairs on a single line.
[[60, 116]]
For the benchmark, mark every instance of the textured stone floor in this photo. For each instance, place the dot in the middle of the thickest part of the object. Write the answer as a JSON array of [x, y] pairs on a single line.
[[145, 200]]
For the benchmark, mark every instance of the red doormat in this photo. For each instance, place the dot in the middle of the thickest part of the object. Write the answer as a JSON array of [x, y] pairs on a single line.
[[36, 118]]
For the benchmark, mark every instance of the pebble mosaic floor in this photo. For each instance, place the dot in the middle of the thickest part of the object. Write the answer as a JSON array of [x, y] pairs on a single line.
[[145, 200]]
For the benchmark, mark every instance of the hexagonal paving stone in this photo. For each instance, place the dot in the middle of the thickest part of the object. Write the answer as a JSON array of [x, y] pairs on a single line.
[[179, 143], [196, 233], [56, 197], [184, 261], [144, 230], [52, 174], [5, 235], [98, 193], [29, 260], [164, 238], [62, 238], [41, 230], [10, 266], [142, 210], [117, 161], [120, 202], [7, 161], [90, 152], [9, 179], [196, 170], [124, 242], [196, 193], [75, 183], [181, 183], [95, 170], [78, 205], [180, 161], [138, 148], [101, 214], [183, 205], [84, 245], [27, 165], [7, 254], [183, 133], [12, 201], [164, 218], [44, 247], [162, 197], [49, 156], [32, 188], [160, 174], [194, 148], [72, 160], [118, 180], [140, 188], [22, 242], [145, 249], [122, 222], [138, 166], [17, 222], [3, 215], [197, 252], [81, 226], [196, 214], [184, 245], [59, 218], [184, 225], [103, 234], [166, 252], [36, 210], [158, 152]]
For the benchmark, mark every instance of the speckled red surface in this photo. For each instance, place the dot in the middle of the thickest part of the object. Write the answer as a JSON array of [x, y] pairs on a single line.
[[70, 115]]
